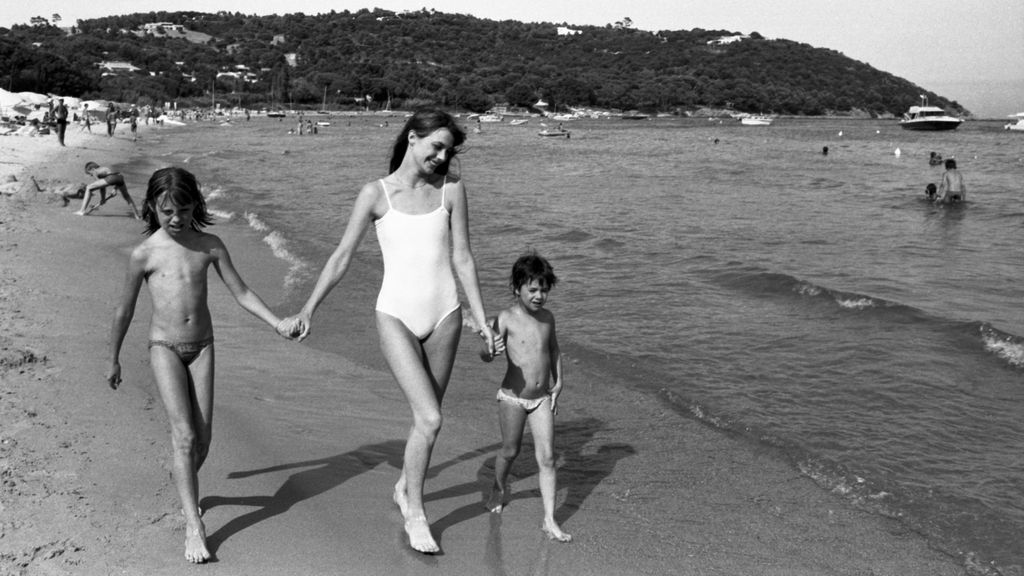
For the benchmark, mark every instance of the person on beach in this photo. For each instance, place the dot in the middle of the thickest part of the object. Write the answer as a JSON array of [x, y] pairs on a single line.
[[135, 127], [111, 120], [421, 217], [952, 189], [61, 115], [531, 386], [105, 177], [174, 261]]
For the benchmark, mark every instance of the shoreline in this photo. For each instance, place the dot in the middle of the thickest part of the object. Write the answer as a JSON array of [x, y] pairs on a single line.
[[300, 473]]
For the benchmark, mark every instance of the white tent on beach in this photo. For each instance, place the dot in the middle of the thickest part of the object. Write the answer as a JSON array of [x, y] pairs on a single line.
[[25, 103]]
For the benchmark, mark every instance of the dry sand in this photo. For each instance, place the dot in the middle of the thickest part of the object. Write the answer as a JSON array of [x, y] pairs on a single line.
[[299, 478]]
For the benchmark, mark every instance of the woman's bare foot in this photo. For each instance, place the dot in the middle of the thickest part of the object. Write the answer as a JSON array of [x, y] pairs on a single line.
[[554, 532], [420, 538], [195, 545], [401, 500], [496, 502]]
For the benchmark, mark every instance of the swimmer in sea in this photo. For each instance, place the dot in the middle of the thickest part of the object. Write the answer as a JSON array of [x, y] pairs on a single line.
[[531, 386], [952, 189]]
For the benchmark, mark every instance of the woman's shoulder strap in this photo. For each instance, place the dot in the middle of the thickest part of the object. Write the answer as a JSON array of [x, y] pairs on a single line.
[[384, 187]]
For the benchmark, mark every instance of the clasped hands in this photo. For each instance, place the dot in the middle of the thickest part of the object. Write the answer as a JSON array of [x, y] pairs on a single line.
[[293, 327]]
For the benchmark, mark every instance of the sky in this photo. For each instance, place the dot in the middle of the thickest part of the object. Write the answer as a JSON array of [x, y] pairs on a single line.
[[970, 51]]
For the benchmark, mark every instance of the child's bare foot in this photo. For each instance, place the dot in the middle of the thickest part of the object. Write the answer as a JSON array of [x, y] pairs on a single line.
[[80, 213], [496, 502], [195, 545], [401, 500], [554, 532], [420, 538]]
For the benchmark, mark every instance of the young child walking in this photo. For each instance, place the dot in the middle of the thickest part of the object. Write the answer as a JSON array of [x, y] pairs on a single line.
[[531, 386], [174, 262]]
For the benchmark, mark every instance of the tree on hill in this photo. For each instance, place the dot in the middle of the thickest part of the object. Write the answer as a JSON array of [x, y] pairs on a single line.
[[457, 60]]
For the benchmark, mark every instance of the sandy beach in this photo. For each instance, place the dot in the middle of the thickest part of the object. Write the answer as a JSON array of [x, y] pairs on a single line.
[[299, 482]]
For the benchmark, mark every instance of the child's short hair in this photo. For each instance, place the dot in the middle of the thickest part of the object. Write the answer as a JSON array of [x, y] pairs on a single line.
[[950, 164], [179, 187], [530, 267], [89, 166], [930, 189]]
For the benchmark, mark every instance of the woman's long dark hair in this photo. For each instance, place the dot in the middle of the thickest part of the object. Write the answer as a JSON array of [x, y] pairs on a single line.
[[424, 122]]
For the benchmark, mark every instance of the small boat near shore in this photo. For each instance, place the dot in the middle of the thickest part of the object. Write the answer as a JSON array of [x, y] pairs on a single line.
[[756, 120], [635, 115], [519, 121], [1018, 126], [925, 117], [547, 133]]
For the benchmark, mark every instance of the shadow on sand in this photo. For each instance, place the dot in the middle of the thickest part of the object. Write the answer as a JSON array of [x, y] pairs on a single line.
[[581, 470]]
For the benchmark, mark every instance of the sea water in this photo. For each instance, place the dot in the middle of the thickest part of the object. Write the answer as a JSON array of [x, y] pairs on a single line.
[[813, 303]]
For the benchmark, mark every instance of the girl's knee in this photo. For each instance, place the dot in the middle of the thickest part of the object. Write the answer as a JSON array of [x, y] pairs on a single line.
[[429, 424], [184, 440], [509, 451]]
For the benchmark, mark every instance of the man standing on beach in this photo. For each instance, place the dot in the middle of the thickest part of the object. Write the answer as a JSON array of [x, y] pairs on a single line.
[[62, 120], [111, 120]]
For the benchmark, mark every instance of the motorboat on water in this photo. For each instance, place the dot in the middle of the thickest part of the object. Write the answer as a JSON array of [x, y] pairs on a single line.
[[1019, 125], [554, 133], [925, 117], [756, 120], [519, 121]]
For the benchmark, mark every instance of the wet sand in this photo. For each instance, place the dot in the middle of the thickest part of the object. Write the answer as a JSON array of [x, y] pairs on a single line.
[[300, 475]]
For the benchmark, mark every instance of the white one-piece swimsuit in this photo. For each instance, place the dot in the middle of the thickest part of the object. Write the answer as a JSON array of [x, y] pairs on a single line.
[[418, 288]]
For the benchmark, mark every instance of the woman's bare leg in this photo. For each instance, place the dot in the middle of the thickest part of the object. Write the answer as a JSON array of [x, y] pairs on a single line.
[[422, 372]]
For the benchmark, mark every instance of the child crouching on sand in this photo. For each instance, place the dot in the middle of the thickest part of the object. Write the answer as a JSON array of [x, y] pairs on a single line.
[[533, 381], [174, 261]]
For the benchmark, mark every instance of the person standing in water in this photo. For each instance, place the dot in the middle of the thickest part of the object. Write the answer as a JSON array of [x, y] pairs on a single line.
[[952, 189], [421, 215]]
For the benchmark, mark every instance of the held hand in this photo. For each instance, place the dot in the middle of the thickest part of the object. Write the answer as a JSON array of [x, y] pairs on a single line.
[[488, 335], [114, 376], [289, 327], [555, 391], [304, 326]]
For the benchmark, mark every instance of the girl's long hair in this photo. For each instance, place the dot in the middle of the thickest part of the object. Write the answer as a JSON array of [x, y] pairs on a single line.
[[179, 187], [424, 122]]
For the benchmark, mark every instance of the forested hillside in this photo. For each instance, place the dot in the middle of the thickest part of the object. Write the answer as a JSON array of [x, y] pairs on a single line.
[[458, 61]]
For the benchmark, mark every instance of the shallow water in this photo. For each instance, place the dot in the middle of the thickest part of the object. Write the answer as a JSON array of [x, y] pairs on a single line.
[[811, 303]]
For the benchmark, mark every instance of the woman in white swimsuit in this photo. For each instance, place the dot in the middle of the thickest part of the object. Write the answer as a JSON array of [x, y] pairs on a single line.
[[421, 216]]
